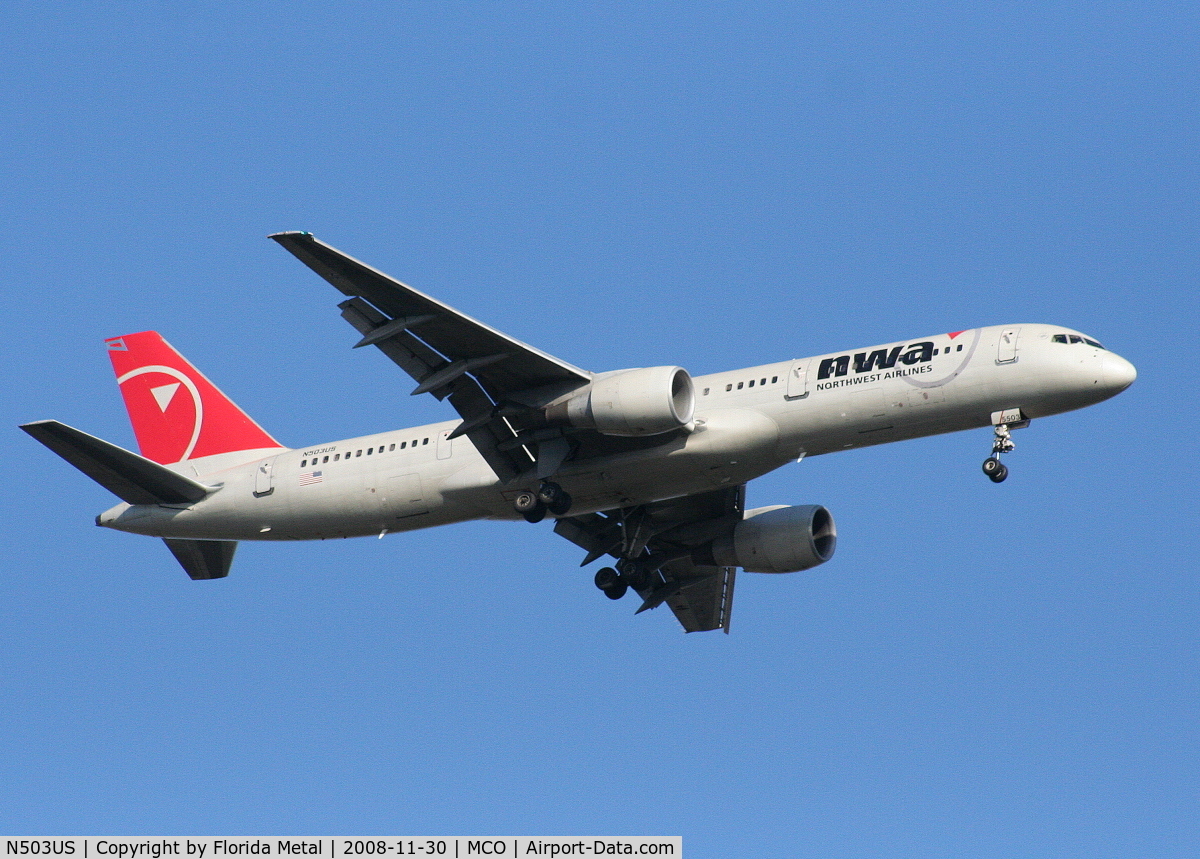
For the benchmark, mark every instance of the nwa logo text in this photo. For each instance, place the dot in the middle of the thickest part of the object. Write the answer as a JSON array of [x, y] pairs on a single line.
[[876, 363]]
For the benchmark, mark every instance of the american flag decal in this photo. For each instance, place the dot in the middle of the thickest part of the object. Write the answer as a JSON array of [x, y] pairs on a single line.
[[308, 477]]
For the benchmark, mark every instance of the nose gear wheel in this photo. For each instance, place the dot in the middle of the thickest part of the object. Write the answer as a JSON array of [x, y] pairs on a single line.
[[995, 469]]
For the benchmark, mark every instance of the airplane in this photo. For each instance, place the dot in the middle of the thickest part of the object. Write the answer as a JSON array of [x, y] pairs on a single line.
[[647, 466]]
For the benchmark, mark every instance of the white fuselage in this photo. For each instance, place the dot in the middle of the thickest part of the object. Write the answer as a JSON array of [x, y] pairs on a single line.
[[748, 422]]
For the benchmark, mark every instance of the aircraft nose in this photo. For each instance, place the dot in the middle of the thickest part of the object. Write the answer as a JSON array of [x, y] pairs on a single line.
[[1118, 374]]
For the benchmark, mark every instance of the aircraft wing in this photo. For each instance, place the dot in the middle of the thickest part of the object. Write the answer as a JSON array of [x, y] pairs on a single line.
[[702, 596], [665, 535], [487, 375]]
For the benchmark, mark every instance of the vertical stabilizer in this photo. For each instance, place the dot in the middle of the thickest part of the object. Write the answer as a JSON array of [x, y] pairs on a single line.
[[176, 412]]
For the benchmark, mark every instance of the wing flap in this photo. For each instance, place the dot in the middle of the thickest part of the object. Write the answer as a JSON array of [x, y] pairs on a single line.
[[705, 600], [665, 535]]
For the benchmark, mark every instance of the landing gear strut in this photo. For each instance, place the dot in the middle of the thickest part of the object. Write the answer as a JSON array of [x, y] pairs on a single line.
[[549, 497], [1002, 443]]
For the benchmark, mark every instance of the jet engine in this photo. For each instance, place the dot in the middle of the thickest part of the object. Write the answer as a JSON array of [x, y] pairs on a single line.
[[648, 401], [779, 539]]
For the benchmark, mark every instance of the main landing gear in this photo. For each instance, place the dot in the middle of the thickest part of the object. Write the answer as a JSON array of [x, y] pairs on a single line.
[[615, 584], [611, 583], [549, 497], [1002, 443]]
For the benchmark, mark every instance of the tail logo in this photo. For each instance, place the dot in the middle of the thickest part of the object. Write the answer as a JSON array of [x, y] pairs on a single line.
[[165, 394], [171, 425]]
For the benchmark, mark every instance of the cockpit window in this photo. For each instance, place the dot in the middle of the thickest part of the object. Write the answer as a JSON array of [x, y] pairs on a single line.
[[1074, 338]]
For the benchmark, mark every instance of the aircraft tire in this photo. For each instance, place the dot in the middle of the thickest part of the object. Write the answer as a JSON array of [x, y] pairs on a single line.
[[525, 501], [992, 467], [562, 505], [617, 592], [529, 506], [607, 578], [549, 493], [552, 495], [1000, 474]]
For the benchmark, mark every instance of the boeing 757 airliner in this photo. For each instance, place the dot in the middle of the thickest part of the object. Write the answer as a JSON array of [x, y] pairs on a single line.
[[648, 465]]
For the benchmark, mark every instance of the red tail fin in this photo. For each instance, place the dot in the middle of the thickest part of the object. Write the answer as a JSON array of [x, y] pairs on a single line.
[[177, 413]]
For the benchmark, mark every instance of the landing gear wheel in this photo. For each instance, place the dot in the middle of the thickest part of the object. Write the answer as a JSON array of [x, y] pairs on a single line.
[[995, 469], [610, 581], [548, 493], [607, 578], [633, 573], [617, 592], [529, 506], [552, 495]]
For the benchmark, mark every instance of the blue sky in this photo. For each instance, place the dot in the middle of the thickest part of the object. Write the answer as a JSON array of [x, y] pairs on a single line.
[[981, 670]]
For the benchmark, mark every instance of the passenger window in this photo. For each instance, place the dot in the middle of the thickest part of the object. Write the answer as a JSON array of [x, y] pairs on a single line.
[[763, 382], [774, 379], [358, 453], [326, 459], [959, 349], [391, 448], [403, 445], [303, 463], [740, 385], [425, 442], [336, 457], [706, 392], [729, 387], [751, 383]]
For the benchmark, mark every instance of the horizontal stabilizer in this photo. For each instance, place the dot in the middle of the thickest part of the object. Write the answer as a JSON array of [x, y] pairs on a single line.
[[203, 559], [130, 477]]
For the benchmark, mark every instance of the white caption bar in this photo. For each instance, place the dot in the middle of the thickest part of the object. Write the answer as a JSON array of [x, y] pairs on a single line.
[[339, 847]]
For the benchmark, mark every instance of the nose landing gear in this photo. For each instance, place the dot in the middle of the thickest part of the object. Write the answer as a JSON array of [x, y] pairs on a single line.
[[549, 497], [1002, 443], [995, 469]]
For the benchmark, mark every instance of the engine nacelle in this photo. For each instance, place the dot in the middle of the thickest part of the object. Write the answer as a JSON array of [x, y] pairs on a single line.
[[778, 539], [648, 401]]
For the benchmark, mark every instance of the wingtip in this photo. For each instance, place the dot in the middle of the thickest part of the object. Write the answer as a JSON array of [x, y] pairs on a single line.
[[32, 427], [287, 234]]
